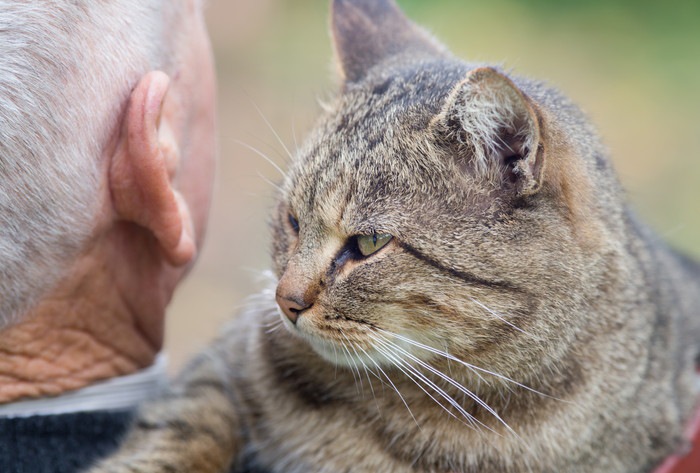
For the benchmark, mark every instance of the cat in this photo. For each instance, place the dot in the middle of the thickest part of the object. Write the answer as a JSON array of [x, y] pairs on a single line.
[[461, 287]]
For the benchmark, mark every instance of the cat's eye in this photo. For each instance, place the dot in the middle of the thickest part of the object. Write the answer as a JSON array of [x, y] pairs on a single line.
[[294, 223], [369, 244]]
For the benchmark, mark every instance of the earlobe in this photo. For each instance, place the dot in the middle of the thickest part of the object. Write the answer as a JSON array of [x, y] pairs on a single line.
[[142, 169]]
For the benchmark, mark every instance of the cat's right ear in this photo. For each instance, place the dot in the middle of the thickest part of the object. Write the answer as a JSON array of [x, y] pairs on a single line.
[[368, 32], [494, 130]]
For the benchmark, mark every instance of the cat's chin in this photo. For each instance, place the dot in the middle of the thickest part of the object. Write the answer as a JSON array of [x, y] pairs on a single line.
[[344, 356], [335, 353], [332, 353]]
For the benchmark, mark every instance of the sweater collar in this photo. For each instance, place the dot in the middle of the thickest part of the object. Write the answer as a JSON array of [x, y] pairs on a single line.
[[123, 392]]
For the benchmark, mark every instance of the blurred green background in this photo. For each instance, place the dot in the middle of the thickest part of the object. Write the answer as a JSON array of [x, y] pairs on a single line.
[[633, 66]]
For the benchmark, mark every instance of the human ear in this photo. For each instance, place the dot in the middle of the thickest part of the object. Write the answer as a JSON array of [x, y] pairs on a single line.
[[143, 168]]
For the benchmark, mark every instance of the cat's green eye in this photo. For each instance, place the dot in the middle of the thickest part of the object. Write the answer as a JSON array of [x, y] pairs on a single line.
[[368, 244]]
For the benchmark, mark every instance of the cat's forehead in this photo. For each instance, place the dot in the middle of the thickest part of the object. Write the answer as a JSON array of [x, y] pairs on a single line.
[[395, 92], [370, 160], [349, 178]]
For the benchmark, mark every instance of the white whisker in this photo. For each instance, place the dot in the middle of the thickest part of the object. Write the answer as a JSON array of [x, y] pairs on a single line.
[[412, 374], [374, 362], [452, 382], [449, 362], [273, 328], [294, 135], [498, 316], [474, 368], [262, 155], [369, 380], [391, 383], [362, 390], [272, 324], [352, 370], [268, 181], [272, 129], [335, 354]]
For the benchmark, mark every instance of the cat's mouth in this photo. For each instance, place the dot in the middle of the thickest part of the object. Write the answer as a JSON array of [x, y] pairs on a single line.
[[342, 346], [350, 344]]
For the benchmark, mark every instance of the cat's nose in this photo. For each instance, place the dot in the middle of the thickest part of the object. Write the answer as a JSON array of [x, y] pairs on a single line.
[[296, 291], [291, 307]]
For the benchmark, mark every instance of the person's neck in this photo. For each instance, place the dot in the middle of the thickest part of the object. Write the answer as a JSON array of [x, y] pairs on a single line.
[[98, 323]]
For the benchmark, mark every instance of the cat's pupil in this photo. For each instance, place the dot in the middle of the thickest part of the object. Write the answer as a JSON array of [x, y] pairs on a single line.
[[294, 223], [370, 244]]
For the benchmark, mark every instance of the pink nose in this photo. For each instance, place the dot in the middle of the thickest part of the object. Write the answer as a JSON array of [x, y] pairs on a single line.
[[291, 307]]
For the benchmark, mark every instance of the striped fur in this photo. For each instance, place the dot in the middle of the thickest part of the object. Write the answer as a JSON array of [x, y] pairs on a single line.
[[521, 319]]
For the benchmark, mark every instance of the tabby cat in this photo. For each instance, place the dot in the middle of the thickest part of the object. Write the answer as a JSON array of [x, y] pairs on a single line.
[[460, 288]]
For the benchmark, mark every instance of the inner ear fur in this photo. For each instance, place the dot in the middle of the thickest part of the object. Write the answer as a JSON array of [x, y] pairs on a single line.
[[497, 130]]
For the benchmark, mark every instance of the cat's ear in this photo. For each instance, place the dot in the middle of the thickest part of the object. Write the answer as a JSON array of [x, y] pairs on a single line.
[[367, 32], [496, 128]]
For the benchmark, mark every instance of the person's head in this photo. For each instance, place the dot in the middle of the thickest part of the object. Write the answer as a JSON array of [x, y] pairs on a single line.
[[100, 156]]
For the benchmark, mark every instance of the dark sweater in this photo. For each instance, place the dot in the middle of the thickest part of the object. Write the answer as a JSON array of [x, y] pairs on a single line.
[[66, 443]]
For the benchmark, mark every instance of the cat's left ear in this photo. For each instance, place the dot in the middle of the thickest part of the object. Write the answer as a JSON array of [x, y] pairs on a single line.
[[496, 129], [368, 32]]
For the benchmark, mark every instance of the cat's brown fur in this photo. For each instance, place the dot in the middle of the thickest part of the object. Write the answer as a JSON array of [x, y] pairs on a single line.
[[568, 333]]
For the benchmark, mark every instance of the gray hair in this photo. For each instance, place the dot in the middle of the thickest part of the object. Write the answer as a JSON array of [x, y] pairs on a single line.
[[66, 70]]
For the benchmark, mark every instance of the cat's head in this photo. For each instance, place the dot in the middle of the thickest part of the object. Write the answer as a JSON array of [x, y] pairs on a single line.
[[436, 206]]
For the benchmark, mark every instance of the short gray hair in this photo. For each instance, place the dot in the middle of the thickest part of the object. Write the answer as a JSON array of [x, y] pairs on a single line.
[[66, 70]]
